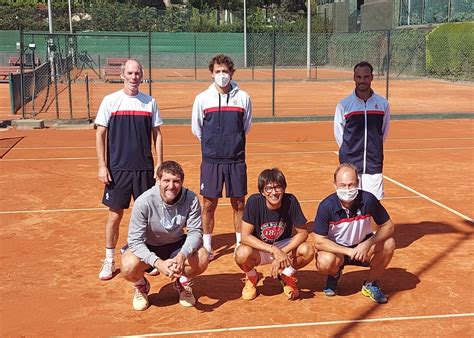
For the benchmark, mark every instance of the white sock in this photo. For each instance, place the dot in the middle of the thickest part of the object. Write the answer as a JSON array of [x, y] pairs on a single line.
[[109, 254], [251, 273], [183, 280], [206, 239], [238, 238], [289, 271], [141, 281]]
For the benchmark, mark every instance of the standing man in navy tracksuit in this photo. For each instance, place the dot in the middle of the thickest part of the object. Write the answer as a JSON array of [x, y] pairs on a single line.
[[221, 118], [361, 124]]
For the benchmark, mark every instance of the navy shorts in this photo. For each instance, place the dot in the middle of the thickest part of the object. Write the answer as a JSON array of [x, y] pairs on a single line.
[[214, 175], [349, 261], [124, 185], [164, 251]]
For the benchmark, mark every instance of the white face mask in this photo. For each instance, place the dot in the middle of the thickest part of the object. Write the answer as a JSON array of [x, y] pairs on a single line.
[[222, 79], [347, 195]]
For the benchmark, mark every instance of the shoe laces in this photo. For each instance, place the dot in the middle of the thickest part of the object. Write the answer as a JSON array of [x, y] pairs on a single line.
[[107, 265], [183, 287], [140, 289], [252, 280], [374, 287], [187, 289]]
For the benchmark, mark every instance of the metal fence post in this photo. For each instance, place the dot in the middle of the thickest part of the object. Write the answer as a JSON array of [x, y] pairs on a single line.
[[388, 64], [195, 57], [98, 66], [55, 79], [22, 76], [68, 74], [273, 70], [88, 107], [253, 56], [149, 63]]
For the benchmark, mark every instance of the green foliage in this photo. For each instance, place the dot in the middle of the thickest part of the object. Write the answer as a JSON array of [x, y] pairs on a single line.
[[450, 51], [407, 52], [145, 15]]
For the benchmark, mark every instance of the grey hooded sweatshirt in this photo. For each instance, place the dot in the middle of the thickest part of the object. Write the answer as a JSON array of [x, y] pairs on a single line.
[[154, 222]]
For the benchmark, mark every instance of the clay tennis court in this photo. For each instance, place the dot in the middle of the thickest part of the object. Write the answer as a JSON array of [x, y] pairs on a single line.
[[52, 234], [176, 89]]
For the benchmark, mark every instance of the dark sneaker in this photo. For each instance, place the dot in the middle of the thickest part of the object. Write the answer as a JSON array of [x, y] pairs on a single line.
[[373, 291], [332, 282]]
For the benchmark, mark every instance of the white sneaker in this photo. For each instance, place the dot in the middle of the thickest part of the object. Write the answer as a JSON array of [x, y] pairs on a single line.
[[107, 270], [140, 297], [154, 272], [186, 297]]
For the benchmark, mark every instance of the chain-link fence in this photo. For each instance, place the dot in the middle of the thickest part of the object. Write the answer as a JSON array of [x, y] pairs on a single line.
[[71, 73], [417, 12]]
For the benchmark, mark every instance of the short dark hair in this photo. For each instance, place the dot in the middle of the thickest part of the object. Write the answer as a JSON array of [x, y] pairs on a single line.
[[346, 165], [271, 176], [170, 167], [222, 59], [364, 64]]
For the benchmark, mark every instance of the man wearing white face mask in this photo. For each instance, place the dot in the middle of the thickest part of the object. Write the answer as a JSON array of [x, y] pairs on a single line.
[[156, 237], [343, 234], [221, 119]]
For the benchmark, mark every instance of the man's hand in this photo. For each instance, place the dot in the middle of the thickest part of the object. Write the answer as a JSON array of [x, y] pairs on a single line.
[[280, 261], [167, 268], [178, 266], [361, 251], [104, 175]]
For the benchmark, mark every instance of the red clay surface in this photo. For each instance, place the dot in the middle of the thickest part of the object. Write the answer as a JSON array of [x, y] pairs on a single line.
[[52, 235], [292, 97]]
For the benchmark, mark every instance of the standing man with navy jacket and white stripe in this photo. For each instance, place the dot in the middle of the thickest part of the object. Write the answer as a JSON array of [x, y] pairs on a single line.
[[221, 119], [361, 125]]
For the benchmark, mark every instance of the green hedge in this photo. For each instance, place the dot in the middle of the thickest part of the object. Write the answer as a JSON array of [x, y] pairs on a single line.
[[450, 51]]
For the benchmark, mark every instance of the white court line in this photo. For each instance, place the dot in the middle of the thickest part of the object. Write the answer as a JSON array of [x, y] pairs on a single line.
[[49, 211], [282, 326], [429, 199], [248, 154], [251, 143], [9, 212], [178, 73], [426, 197]]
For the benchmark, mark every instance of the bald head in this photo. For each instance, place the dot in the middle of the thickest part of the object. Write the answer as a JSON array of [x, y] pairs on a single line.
[[131, 63], [346, 176]]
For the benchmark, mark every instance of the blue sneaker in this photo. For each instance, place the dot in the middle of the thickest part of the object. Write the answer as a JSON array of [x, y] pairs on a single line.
[[373, 291], [330, 289]]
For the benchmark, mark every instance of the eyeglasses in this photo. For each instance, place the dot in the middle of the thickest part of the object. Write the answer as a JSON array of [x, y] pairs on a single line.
[[268, 189]]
